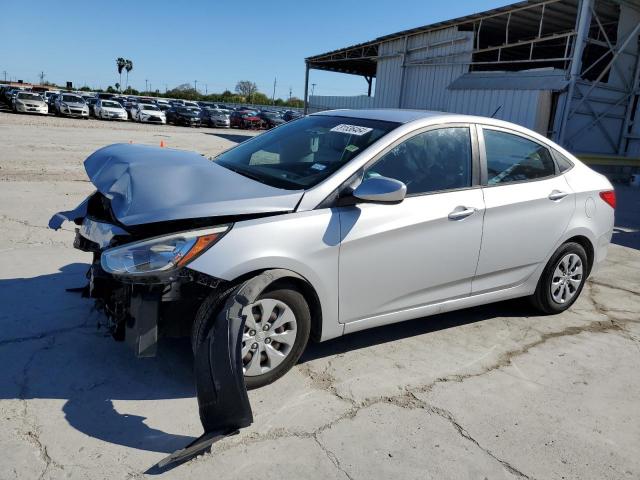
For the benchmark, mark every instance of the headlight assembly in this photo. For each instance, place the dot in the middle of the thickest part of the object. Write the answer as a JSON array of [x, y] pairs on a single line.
[[160, 254]]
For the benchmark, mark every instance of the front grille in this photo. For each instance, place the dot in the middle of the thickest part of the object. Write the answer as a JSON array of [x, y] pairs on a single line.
[[79, 112], [155, 119]]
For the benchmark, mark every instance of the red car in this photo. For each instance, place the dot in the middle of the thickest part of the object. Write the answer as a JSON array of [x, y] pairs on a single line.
[[245, 119]]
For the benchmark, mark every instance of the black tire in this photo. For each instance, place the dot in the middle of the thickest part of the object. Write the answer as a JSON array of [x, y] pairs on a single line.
[[210, 309], [542, 298]]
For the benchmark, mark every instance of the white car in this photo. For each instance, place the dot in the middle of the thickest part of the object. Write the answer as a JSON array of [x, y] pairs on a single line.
[[109, 110], [145, 112], [334, 223], [28, 102]]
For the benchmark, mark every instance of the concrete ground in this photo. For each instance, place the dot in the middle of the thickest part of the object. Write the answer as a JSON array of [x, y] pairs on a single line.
[[491, 392]]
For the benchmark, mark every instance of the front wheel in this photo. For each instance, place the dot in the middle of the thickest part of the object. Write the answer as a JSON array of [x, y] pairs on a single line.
[[276, 333], [562, 279]]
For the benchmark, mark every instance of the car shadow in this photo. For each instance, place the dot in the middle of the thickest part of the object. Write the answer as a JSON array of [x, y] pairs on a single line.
[[416, 327], [232, 137], [51, 349]]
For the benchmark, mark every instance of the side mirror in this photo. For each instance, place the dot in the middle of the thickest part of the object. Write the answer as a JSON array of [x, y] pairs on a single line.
[[381, 190]]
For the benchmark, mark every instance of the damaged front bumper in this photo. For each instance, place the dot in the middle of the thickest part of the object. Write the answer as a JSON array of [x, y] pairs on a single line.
[[140, 309]]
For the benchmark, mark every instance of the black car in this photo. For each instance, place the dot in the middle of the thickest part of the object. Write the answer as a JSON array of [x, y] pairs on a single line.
[[183, 116], [91, 101], [51, 102], [291, 115], [270, 119]]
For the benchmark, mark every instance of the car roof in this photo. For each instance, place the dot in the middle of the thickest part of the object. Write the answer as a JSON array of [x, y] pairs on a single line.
[[420, 116]]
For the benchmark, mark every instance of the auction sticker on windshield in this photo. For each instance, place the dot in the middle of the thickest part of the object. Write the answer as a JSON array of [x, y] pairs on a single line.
[[351, 129]]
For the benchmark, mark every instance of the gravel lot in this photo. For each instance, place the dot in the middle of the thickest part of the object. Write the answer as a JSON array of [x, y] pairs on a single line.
[[491, 392]]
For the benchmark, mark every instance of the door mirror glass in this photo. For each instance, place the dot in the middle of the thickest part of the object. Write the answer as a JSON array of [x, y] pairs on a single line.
[[381, 190]]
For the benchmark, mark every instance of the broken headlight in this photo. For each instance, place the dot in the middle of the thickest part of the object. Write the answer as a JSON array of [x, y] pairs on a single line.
[[160, 254]]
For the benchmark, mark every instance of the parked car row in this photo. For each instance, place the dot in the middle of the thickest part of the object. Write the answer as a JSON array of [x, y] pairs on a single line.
[[107, 106]]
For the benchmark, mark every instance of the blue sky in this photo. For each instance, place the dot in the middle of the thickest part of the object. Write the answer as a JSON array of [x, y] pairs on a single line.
[[216, 43]]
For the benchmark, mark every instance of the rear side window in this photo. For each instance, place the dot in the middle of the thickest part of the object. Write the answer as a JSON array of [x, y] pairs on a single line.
[[512, 158], [563, 162], [431, 161]]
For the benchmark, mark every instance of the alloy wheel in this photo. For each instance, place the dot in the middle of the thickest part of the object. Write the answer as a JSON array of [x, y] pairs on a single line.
[[268, 337], [567, 278]]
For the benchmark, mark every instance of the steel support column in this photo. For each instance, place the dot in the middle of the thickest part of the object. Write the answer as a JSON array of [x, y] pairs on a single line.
[[582, 28], [306, 89]]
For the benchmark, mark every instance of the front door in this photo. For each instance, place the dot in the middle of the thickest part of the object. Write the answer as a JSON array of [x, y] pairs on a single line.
[[424, 250]]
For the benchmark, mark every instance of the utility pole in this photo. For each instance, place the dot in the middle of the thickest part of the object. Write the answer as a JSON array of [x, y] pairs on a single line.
[[195, 85], [206, 89], [313, 87], [146, 85], [5, 76], [290, 89], [273, 97], [41, 77]]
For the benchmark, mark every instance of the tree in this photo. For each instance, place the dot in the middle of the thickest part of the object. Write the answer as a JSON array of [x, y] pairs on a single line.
[[128, 65], [118, 86], [246, 89], [110, 89], [120, 64]]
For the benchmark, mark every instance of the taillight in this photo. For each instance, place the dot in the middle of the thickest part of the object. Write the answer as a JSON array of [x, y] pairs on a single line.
[[609, 197]]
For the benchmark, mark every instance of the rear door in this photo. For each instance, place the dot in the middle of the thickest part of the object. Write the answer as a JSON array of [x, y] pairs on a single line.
[[528, 207], [424, 250]]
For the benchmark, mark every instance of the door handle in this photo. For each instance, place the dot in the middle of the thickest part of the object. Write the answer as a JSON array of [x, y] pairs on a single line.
[[461, 212], [557, 195]]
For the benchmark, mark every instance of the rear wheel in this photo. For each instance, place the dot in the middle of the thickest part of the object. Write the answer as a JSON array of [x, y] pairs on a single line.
[[276, 332], [562, 279]]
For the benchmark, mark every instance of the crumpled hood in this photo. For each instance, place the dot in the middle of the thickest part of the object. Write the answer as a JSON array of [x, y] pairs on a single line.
[[150, 184]]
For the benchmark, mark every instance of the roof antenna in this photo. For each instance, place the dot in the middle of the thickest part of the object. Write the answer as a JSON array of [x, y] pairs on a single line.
[[493, 115]]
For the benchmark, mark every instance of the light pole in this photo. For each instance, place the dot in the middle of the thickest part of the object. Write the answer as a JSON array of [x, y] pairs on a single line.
[[273, 97], [195, 85], [313, 87], [146, 85]]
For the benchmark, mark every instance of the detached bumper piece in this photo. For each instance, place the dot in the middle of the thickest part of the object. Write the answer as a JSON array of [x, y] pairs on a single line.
[[222, 394]]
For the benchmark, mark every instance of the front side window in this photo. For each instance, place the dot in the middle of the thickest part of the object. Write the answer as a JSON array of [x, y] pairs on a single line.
[[300, 154], [512, 158], [431, 161]]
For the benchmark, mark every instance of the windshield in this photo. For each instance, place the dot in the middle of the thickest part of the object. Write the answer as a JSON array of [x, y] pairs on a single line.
[[300, 154], [184, 110], [149, 107], [29, 96], [111, 104], [72, 99]]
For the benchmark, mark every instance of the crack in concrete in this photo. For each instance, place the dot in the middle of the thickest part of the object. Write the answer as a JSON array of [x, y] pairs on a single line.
[[32, 434], [445, 414], [332, 457], [614, 287], [42, 335]]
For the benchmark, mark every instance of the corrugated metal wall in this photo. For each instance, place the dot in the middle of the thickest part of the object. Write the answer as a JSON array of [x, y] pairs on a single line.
[[423, 86], [318, 103], [388, 74], [529, 108]]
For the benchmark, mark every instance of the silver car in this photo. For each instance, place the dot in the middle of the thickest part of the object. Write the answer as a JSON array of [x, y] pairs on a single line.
[[350, 219], [71, 105]]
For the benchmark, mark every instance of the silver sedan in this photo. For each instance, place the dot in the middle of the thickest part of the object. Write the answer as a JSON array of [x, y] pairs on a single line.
[[339, 222]]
